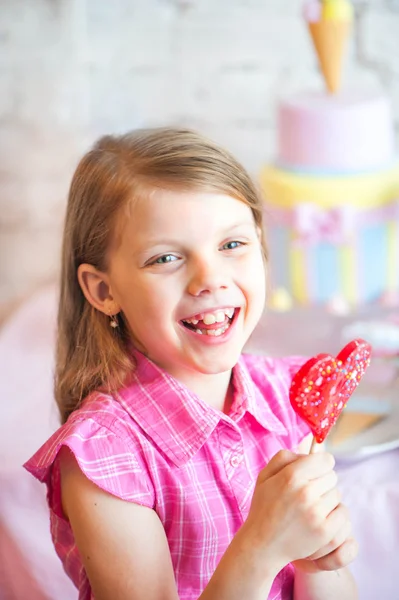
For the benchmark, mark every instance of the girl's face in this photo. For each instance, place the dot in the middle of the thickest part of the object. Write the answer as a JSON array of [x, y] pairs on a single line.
[[189, 277]]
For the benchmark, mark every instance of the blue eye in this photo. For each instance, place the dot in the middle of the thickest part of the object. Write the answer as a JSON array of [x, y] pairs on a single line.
[[166, 258], [232, 245]]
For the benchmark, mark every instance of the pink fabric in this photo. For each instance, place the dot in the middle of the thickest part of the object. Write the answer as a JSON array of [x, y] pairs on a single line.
[[155, 436]]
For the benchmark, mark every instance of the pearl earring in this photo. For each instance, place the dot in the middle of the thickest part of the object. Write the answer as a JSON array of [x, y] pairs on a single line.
[[113, 321]]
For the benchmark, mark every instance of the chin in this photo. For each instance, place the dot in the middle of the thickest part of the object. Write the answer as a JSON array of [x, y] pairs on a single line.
[[215, 365]]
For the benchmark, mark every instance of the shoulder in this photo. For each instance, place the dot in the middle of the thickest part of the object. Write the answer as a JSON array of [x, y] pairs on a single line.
[[105, 445], [105, 527]]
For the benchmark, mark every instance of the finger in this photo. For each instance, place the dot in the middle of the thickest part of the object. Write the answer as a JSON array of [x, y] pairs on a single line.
[[340, 557], [335, 521], [280, 460], [309, 467], [306, 565], [342, 536], [318, 487], [330, 502]]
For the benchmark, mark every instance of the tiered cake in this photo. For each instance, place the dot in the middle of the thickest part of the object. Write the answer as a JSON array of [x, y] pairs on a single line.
[[332, 197]]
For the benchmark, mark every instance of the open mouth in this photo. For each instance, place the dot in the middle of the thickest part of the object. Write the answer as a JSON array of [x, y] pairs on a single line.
[[214, 323]]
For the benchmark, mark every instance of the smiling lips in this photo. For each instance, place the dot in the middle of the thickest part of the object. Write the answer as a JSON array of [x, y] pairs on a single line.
[[211, 323]]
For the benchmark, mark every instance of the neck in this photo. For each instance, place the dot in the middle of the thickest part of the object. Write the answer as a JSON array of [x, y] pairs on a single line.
[[215, 390]]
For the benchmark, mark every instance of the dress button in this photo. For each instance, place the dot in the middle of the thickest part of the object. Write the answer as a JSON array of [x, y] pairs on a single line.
[[235, 460]]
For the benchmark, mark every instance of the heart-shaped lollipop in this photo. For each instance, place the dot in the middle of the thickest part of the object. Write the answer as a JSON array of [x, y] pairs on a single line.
[[321, 388]]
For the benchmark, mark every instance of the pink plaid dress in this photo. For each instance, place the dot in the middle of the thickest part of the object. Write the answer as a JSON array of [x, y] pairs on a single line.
[[159, 445]]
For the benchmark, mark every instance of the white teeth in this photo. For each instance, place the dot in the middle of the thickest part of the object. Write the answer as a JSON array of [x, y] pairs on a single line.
[[192, 321], [213, 332], [209, 318], [212, 318], [216, 332], [216, 317]]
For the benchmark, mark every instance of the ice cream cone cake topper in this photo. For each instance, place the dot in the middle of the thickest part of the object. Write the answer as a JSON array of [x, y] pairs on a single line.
[[329, 23], [321, 388]]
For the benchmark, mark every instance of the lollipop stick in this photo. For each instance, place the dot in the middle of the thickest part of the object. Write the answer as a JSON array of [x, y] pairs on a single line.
[[313, 447]]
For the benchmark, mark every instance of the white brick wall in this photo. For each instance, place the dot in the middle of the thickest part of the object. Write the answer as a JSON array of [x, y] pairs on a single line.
[[71, 70]]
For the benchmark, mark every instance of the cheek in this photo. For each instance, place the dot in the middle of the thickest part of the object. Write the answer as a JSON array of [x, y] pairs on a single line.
[[150, 300], [255, 271], [256, 282]]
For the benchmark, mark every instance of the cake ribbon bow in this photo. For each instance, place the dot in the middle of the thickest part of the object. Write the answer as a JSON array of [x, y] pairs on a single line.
[[314, 224]]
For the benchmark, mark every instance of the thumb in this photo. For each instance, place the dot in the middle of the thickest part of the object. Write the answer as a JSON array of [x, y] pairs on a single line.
[[282, 459]]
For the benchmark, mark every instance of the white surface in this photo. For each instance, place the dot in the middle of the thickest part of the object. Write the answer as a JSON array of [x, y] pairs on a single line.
[[381, 437]]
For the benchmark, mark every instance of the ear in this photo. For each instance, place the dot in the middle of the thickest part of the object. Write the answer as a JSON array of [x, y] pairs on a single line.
[[96, 289]]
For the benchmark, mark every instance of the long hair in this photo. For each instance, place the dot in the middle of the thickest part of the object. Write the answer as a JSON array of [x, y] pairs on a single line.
[[90, 355]]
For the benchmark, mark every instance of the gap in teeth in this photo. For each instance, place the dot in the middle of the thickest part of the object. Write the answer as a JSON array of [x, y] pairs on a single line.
[[211, 318]]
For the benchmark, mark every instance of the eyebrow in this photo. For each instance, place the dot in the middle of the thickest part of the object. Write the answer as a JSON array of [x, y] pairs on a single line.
[[241, 224], [167, 241]]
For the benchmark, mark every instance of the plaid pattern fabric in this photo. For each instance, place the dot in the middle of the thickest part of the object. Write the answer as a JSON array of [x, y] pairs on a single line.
[[159, 445]]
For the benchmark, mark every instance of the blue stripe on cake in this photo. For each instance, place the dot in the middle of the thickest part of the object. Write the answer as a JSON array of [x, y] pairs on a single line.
[[373, 250], [326, 272]]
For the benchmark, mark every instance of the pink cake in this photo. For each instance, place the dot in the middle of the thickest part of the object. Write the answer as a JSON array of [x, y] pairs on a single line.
[[332, 199], [332, 195], [349, 132]]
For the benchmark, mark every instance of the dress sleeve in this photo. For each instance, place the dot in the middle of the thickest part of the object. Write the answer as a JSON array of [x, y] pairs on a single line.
[[104, 457]]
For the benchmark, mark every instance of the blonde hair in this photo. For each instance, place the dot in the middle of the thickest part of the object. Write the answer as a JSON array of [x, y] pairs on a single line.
[[90, 354]]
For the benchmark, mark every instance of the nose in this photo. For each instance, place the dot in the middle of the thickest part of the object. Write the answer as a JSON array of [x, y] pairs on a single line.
[[206, 276]]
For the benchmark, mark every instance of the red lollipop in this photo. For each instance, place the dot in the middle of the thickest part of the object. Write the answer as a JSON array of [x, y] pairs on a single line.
[[321, 388]]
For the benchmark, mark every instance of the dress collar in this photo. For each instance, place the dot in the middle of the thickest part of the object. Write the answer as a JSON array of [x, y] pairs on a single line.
[[176, 419]]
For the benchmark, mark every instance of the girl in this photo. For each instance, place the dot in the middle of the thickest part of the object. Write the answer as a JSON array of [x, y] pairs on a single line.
[[174, 474]]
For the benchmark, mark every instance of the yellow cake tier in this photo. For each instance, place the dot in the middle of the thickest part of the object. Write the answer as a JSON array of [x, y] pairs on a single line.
[[286, 189], [333, 237]]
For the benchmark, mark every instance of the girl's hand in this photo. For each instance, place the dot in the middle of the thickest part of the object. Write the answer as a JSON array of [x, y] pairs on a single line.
[[295, 510], [332, 557]]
